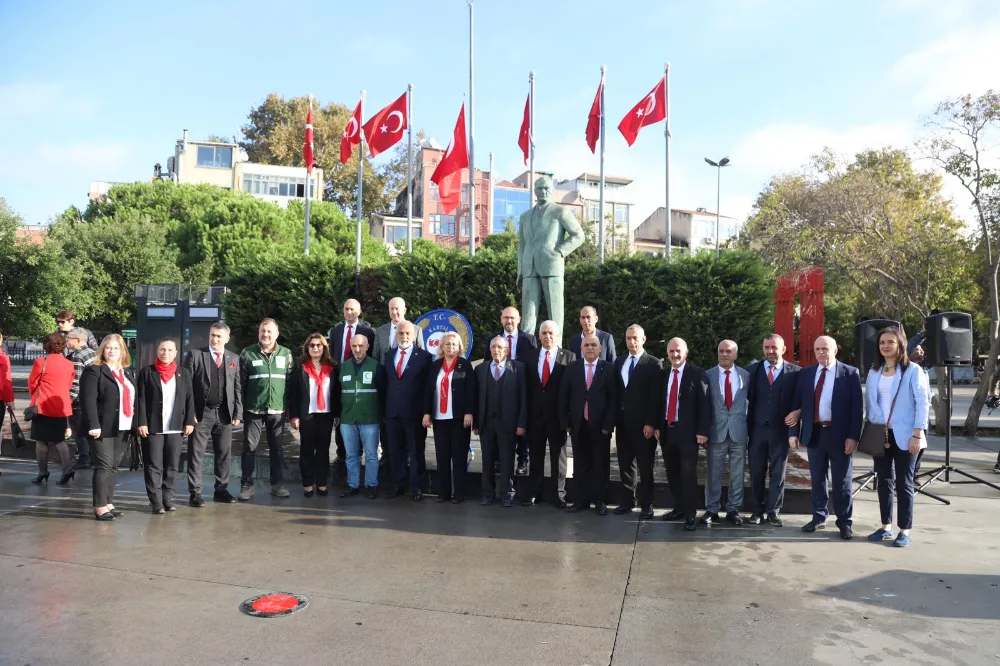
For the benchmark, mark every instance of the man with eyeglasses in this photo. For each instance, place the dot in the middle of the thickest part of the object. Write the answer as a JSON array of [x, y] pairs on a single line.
[[66, 322]]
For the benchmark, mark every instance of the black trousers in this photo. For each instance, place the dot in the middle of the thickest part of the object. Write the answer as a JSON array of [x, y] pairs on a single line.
[[591, 464], [497, 443], [635, 464], [540, 433], [407, 439], [212, 426], [680, 457], [161, 456], [81, 438], [253, 427], [314, 451], [768, 460], [106, 452], [894, 478], [451, 448]]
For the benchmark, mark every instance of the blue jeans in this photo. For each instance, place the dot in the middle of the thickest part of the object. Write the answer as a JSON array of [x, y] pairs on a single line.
[[717, 453], [356, 436]]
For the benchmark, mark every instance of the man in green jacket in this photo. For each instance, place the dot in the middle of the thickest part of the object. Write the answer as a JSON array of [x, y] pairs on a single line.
[[264, 369]]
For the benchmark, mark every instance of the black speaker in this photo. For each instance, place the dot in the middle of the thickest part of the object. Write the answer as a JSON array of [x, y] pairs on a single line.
[[949, 339], [865, 344]]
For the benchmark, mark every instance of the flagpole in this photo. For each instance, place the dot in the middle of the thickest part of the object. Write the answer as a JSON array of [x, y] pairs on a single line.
[[531, 139], [409, 178], [489, 190], [357, 207], [600, 205], [308, 183], [472, 143], [666, 140]]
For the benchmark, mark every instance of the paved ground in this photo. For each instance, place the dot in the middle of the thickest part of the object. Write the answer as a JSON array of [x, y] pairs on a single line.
[[402, 582]]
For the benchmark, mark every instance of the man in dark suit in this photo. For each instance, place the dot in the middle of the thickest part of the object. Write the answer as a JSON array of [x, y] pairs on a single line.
[[502, 417], [684, 428], [545, 370], [638, 375], [772, 383], [519, 346], [405, 376], [589, 406], [339, 338], [385, 335], [588, 323], [218, 404], [826, 418]]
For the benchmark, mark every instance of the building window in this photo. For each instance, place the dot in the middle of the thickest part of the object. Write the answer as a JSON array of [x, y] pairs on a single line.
[[621, 213], [508, 205], [215, 157], [276, 186], [443, 225], [593, 210]]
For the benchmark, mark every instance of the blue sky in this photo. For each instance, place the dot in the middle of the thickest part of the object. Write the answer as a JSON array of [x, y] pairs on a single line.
[[101, 90]]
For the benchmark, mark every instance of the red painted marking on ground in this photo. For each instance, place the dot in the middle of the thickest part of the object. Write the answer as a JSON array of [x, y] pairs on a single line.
[[275, 603]]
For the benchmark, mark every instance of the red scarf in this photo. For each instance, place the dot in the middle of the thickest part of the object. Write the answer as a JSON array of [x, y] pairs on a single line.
[[318, 376], [126, 394], [444, 382], [167, 372]]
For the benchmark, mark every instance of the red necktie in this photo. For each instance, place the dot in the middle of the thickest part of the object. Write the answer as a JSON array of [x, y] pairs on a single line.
[[444, 383], [590, 380], [672, 400], [218, 359], [770, 375], [126, 394], [510, 345], [399, 364], [347, 344], [819, 393], [729, 392], [545, 369]]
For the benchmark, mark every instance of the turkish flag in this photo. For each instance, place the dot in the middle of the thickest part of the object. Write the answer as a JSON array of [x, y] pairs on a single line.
[[448, 174], [352, 135], [524, 140], [307, 147], [385, 128], [594, 119], [652, 109]]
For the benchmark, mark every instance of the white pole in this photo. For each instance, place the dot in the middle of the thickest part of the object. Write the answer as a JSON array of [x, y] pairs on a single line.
[[472, 143], [531, 139], [666, 140], [308, 182], [409, 166], [600, 205], [357, 207]]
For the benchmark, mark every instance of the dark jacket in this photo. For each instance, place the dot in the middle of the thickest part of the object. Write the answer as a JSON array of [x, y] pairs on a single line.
[[199, 362], [514, 396], [608, 351], [335, 338], [638, 403], [100, 397], [780, 402], [525, 343], [404, 396], [601, 398], [846, 404], [462, 388], [543, 403], [694, 411], [298, 392], [150, 400]]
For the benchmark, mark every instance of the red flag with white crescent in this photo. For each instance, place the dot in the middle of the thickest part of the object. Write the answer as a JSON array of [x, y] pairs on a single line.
[[594, 119], [351, 136], [385, 128], [448, 174], [652, 109], [524, 139], [307, 147]]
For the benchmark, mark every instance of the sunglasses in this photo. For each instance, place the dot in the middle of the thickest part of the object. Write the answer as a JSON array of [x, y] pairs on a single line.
[[63, 321]]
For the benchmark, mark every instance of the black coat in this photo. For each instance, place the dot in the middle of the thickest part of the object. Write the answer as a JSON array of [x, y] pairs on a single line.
[[404, 396], [513, 397], [199, 363], [335, 338], [150, 400], [601, 398], [101, 399], [639, 401], [462, 388], [694, 412], [608, 351], [525, 342], [543, 403], [781, 398], [298, 392]]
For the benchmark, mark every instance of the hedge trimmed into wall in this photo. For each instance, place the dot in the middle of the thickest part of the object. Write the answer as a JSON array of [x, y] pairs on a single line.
[[702, 299]]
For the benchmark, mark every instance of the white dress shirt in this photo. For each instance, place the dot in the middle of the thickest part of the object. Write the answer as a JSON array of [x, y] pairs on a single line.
[[393, 343], [406, 358], [446, 414], [313, 407], [670, 384], [826, 397], [628, 364], [734, 380], [552, 360], [169, 397], [125, 422]]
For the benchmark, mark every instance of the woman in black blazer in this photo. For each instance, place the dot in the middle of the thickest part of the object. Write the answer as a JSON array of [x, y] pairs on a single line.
[[108, 396], [314, 407], [449, 401], [166, 417]]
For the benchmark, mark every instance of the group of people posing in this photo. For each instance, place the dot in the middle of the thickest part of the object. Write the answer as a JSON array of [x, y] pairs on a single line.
[[372, 385]]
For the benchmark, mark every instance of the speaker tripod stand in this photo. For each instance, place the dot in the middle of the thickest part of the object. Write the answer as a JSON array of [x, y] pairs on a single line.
[[947, 469]]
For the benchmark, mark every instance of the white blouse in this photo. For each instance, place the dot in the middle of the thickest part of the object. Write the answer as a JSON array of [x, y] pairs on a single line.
[[313, 407], [446, 414], [125, 422], [885, 395], [169, 398]]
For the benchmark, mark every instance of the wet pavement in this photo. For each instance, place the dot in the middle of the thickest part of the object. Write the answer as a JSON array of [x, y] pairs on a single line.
[[395, 581]]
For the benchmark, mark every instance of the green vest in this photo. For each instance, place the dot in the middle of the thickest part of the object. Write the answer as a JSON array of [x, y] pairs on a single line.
[[264, 379], [358, 395]]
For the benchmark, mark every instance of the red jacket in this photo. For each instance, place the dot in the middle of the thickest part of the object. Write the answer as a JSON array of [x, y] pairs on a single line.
[[6, 383], [50, 391]]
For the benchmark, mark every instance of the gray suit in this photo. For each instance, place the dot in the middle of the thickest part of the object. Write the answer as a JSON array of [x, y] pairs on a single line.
[[727, 436], [383, 341]]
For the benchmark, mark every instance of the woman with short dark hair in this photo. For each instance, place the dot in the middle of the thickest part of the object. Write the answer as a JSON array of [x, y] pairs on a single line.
[[314, 410], [49, 383]]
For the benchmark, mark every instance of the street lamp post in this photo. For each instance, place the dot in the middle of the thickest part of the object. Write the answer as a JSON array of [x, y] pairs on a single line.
[[718, 193]]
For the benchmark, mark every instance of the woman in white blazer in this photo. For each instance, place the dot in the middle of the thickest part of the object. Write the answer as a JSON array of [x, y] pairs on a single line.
[[893, 377]]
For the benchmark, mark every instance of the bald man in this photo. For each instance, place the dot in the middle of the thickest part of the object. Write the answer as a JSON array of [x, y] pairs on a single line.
[[588, 326], [826, 418], [385, 335], [339, 338]]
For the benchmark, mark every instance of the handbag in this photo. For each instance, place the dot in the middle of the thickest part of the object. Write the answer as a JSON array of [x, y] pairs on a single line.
[[16, 433], [874, 438], [32, 410]]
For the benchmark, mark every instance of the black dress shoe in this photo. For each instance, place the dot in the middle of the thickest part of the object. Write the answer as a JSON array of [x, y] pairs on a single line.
[[66, 478], [646, 514], [622, 509], [579, 506], [223, 496], [116, 512], [756, 518], [508, 502], [392, 494], [350, 492], [104, 517], [708, 518], [486, 500], [690, 524], [196, 501], [673, 515], [602, 509], [157, 509], [846, 533], [44, 476], [417, 496], [169, 506], [774, 519], [734, 518], [560, 503], [373, 492], [441, 498], [528, 502], [323, 492], [308, 493], [457, 500], [814, 525]]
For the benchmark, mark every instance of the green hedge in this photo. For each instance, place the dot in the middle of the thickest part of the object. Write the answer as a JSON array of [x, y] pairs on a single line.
[[700, 298]]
